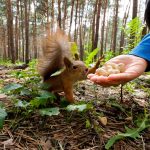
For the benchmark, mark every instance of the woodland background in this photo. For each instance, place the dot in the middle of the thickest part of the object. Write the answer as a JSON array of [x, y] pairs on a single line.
[[102, 24], [116, 118]]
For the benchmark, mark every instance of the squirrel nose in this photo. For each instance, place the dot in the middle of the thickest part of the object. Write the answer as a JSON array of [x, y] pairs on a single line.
[[86, 70]]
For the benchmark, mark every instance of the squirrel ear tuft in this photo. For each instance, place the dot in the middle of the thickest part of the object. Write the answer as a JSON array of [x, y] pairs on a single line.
[[67, 62], [76, 56]]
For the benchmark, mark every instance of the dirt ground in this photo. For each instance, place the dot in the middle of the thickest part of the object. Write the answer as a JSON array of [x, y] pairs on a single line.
[[70, 130]]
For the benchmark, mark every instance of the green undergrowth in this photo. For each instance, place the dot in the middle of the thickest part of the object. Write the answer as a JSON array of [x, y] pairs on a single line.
[[29, 97]]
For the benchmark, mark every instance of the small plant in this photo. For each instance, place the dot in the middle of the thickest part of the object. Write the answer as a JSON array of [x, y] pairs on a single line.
[[6, 63], [49, 111], [79, 107], [74, 48], [130, 133], [3, 115], [43, 99], [91, 56], [133, 32], [108, 55], [129, 87]]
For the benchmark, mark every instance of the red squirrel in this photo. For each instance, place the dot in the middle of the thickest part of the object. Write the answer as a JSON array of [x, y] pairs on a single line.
[[57, 55]]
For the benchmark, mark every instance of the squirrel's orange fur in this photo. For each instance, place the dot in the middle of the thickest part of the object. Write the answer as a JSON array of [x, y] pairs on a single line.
[[56, 55]]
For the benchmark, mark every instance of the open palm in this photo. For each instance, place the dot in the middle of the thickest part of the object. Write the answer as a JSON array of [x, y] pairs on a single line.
[[134, 67]]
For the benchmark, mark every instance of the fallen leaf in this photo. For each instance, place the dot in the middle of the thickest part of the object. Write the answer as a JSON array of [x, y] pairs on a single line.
[[129, 118], [46, 143], [141, 102], [3, 96], [103, 120], [8, 142]]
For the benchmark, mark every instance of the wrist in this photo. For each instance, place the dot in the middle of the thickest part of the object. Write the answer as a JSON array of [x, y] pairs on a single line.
[[145, 62]]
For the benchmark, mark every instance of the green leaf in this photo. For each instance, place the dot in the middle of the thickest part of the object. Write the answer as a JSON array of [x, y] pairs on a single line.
[[79, 108], [133, 29], [132, 133], [87, 123], [74, 48], [26, 92], [47, 95], [117, 106], [91, 56], [112, 140], [44, 86], [49, 111], [43, 99], [12, 86], [3, 114], [38, 101], [22, 104]]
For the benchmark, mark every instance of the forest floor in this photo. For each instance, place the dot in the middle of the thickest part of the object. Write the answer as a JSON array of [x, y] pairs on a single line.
[[111, 112]]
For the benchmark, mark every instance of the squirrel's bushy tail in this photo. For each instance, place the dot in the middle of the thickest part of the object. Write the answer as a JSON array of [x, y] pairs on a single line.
[[55, 48]]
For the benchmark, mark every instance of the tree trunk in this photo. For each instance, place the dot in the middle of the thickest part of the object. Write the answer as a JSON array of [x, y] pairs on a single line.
[[4, 44], [59, 13], [71, 16], [17, 30], [35, 32], [76, 17], [52, 16], [22, 35], [97, 25], [124, 22], [65, 14], [10, 31], [81, 33], [115, 27], [134, 15], [103, 27], [47, 25], [26, 3], [93, 24], [135, 8]]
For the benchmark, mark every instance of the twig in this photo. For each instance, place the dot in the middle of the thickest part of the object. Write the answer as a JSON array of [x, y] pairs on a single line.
[[121, 93], [143, 142], [93, 148], [28, 137], [17, 145]]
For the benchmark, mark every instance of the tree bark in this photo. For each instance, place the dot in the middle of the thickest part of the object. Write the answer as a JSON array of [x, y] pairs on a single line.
[[71, 16], [52, 16], [22, 35], [26, 3], [115, 27], [59, 13], [93, 24], [76, 17], [65, 14], [10, 31], [35, 32], [135, 8], [103, 27], [124, 22], [17, 31], [97, 25], [134, 15]]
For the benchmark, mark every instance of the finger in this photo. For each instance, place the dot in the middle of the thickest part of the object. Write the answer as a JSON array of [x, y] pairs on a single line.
[[90, 75], [101, 80], [123, 77], [112, 80]]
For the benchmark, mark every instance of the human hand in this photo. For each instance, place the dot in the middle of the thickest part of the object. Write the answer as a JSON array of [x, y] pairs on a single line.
[[134, 67]]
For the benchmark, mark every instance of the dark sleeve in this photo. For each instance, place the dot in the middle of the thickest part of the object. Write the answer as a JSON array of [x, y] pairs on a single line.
[[143, 50]]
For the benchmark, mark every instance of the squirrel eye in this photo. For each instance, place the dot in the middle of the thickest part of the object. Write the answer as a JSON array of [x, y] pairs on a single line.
[[75, 67]]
